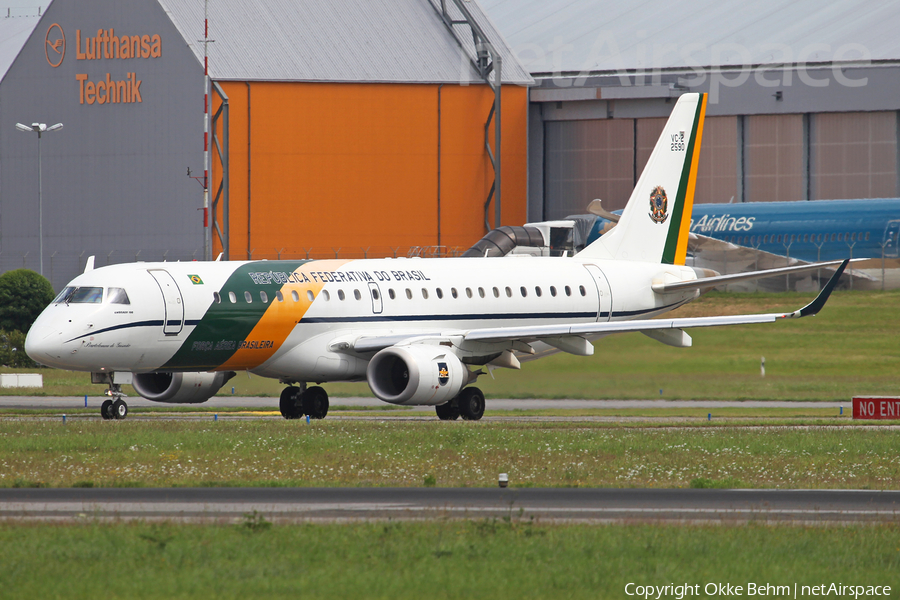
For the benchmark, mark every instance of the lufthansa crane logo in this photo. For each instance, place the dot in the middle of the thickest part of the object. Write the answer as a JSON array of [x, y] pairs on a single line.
[[55, 45]]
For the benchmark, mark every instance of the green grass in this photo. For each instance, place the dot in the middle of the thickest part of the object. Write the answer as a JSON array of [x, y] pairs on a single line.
[[494, 559], [849, 349], [163, 453]]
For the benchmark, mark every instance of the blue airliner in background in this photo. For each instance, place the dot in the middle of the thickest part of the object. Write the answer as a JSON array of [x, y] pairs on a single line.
[[811, 231], [731, 238]]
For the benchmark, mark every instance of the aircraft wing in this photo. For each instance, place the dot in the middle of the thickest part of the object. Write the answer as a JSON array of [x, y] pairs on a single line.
[[571, 337], [726, 257]]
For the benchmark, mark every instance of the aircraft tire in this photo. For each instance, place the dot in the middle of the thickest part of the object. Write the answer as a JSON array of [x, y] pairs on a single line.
[[315, 402], [290, 403], [119, 409], [449, 411], [471, 404], [106, 410]]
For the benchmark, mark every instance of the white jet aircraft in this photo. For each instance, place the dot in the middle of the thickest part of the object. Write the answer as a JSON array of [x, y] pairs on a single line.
[[418, 330]]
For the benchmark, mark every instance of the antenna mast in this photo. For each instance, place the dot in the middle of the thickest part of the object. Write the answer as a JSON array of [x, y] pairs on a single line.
[[207, 234]]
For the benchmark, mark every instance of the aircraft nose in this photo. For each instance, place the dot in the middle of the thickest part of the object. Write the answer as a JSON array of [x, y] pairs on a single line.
[[44, 344]]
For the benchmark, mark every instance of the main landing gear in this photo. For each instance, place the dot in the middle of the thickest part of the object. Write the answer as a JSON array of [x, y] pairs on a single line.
[[296, 402], [114, 407], [469, 405]]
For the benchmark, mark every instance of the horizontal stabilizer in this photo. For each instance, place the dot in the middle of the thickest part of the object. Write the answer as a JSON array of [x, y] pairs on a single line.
[[707, 283]]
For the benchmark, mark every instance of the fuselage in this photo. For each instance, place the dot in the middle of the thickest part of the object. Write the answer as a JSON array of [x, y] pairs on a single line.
[[812, 231], [286, 319]]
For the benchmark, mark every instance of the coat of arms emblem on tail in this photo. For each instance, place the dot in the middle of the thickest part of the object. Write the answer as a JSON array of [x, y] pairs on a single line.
[[658, 205]]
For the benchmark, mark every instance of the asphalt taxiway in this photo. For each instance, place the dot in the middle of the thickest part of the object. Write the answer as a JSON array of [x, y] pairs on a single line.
[[543, 504], [262, 403]]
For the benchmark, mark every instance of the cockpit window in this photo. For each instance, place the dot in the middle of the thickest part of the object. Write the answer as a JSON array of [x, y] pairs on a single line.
[[86, 295], [117, 296], [63, 295]]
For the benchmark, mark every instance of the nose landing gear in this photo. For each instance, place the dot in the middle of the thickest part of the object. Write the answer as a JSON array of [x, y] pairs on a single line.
[[114, 407]]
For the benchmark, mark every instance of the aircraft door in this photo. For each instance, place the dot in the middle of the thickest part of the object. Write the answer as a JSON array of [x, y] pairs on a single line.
[[173, 319], [377, 302], [891, 242], [604, 307]]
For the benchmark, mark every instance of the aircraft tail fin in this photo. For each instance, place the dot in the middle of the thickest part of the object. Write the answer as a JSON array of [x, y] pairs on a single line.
[[655, 224]]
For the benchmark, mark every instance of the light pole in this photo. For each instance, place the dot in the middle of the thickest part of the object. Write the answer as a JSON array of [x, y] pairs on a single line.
[[39, 129]]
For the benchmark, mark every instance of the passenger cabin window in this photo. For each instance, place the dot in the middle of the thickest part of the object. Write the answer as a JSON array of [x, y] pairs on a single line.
[[232, 297], [552, 291], [217, 298], [357, 295], [481, 292], [523, 291], [391, 293], [279, 296], [295, 296], [118, 296], [508, 292], [408, 294], [425, 293], [568, 291], [374, 294], [263, 297], [454, 293], [582, 290], [248, 297], [537, 290], [341, 295], [327, 295], [439, 292], [310, 296], [496, 293]]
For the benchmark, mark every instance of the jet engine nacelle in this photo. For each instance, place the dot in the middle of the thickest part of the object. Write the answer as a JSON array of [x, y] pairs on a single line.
[[180, 388], [417, 374]]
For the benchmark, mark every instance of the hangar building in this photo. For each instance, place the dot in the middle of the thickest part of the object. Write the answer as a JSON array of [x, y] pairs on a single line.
[[804, 96], [343, 129]]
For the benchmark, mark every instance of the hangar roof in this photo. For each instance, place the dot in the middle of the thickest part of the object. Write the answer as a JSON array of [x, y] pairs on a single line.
[[14, 32], [571, 36], [394, 41]]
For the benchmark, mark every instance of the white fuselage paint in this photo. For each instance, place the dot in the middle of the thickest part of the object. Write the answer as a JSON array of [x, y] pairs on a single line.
[[144, 335]]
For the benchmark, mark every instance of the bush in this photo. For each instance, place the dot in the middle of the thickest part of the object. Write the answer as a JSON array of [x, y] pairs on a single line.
[[12, 350], [23, 295]]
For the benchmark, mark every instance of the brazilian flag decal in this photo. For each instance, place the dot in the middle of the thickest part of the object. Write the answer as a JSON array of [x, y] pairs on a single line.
[[195, 279]]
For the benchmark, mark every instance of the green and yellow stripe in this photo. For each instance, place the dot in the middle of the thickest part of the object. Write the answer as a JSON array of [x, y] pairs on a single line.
[[242, 335], [675, 250]]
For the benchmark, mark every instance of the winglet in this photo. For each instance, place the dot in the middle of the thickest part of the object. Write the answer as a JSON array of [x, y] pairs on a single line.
[[816, 305]]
